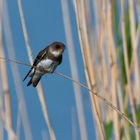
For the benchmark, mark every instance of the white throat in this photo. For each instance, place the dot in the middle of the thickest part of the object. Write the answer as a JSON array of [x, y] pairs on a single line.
[[56, 53]]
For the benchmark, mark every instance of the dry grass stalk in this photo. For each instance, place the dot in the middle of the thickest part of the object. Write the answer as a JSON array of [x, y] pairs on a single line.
[[123, 126], [135, 49], [5, 86], [73, 121], [29, 51], [15, 73], [136, 64], [98, 35], [10, 132], [89, 70], [127, 65], [18, 125], [101, 33], [114, 73], [74, 69], [1, 110], [39, 87], [100, 41]]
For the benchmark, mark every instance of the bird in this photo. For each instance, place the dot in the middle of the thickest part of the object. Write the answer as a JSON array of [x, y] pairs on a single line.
[[45, 62]]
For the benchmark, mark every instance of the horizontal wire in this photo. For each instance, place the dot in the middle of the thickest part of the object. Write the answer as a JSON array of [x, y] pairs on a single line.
[[84, 86]]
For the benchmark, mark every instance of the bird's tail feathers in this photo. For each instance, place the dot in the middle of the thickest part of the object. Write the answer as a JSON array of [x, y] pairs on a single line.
[[30, 82], [34, 81], [28, 74]]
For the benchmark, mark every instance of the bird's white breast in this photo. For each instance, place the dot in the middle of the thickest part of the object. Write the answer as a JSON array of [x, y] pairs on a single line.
[[45, 63]]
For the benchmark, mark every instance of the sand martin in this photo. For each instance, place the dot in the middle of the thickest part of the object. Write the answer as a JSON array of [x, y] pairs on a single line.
[[45, 62]]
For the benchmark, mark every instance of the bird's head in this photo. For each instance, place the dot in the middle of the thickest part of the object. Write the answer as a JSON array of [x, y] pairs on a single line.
[[56, 48]]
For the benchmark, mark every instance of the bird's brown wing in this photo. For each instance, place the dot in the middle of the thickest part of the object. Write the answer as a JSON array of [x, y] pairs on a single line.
[[39, 57], [60, 60]]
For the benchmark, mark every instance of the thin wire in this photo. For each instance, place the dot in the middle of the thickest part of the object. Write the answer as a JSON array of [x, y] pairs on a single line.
[[15, 61], [84, 86], [102, 98]]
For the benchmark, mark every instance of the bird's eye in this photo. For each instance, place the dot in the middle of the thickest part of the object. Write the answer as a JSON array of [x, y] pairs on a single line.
[[57, 47]]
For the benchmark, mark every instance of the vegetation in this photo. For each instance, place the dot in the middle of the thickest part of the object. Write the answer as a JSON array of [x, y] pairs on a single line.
[[109, 33]]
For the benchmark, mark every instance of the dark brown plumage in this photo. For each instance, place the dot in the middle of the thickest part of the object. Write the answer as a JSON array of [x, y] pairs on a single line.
[[45, 62]]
